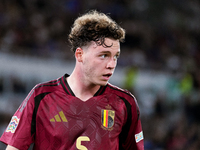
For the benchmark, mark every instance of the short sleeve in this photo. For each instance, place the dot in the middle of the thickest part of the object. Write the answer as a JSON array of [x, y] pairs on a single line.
[[18, 132], [132, 134]]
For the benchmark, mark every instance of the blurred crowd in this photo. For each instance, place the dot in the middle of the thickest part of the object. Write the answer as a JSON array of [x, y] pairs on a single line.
[[162, 36]]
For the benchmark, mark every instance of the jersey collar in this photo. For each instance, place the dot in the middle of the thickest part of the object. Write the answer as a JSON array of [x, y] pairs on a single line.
[[69, 91]]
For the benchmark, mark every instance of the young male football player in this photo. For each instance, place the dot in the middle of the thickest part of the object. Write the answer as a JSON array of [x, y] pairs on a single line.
[[81, 111]]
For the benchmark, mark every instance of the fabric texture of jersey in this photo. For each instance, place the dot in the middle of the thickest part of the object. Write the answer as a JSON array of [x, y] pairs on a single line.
[[53, 118]]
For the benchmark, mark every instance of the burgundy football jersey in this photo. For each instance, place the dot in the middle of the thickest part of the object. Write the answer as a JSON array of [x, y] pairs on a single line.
[[53, 118]]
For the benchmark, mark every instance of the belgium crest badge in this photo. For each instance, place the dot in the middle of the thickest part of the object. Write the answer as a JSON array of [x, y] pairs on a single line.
[[107, 118]]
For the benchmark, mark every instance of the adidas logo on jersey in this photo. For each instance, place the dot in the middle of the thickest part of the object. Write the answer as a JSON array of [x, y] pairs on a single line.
[[59, 117]]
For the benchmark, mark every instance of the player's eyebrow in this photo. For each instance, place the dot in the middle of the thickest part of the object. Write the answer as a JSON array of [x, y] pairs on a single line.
[[108, 52], [105, 52]]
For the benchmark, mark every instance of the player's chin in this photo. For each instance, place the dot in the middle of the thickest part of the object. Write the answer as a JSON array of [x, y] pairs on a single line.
[[103, 83]]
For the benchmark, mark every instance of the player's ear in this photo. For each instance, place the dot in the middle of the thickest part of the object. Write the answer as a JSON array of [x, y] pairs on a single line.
[[79, 54]]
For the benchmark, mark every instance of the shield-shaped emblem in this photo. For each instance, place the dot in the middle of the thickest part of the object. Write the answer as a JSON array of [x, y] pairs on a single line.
[[107, 118]]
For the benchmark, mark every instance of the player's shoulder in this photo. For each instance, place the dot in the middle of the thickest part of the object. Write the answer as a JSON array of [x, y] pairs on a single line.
[[48, 83], [121, 92], [48, 86], [128, 98]]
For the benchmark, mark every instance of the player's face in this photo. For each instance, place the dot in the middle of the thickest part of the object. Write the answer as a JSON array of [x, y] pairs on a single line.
[[99, 62]]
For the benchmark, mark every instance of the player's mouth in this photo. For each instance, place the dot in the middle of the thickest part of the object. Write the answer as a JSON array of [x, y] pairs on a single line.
[[107, 76]]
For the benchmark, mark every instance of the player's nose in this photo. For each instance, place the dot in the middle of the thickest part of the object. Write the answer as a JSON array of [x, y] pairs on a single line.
[[111, 63]]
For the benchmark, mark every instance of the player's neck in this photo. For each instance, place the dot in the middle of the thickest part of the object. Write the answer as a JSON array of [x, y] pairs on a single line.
[[81, 89]]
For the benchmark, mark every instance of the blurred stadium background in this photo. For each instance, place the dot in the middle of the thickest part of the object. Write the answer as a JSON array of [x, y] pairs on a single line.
[[159, 62]]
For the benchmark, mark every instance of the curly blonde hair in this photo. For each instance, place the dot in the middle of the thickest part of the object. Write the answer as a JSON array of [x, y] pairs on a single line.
[[94, 26]]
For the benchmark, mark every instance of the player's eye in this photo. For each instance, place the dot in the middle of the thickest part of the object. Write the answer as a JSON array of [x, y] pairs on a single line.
[[103, 56], [116, 56]]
